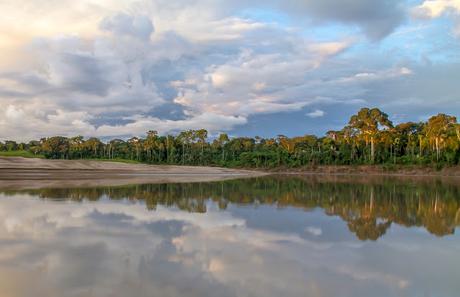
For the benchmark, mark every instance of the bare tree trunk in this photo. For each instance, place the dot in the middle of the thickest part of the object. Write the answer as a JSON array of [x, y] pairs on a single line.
[[183, 153], [167, 150], [437, 148], [420, 148], [372, 149]]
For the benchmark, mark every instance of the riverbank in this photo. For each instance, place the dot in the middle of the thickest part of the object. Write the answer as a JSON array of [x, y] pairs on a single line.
[[18, 172], [394, 170]]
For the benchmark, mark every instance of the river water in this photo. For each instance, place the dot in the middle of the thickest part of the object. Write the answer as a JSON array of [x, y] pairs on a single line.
[[270, 236]]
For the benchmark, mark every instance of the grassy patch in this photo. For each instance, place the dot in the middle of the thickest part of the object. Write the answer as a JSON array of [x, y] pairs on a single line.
[[24, 154], [119, 161]]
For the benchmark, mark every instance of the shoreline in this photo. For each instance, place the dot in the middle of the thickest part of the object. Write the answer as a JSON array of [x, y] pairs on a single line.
[[371, 170], [18, 172]]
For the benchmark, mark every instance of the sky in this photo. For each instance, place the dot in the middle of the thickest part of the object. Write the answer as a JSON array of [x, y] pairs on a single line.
[[118, 68]]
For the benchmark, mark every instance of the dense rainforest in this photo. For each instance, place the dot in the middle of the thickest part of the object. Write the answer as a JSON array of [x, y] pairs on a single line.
[[368, 138]]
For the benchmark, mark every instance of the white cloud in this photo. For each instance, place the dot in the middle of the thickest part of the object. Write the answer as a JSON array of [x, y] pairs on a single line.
[[435, 8], [255, 83], [141, 124], [101, 66], [13, 114], [326, 49], [432, 9], [317, 113], [381, 75], [75, 83]]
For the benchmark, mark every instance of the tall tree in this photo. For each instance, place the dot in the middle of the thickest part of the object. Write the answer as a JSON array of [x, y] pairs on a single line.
[[223, 140], [76, 146], [369, 122], [94, 145], [150, 144], [437, 130], [56, 147]]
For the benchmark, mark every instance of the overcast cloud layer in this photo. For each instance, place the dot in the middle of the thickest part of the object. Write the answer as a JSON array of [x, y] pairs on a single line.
[[113, 68]]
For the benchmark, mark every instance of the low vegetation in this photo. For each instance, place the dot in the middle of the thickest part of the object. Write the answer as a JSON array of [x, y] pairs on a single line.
[[20, 153], [369, 138]]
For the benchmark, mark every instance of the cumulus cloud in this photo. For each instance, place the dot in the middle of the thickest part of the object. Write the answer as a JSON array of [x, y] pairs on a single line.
[[377, 19], [431, 9], [139, 26], [141, 124], [77, 83], [435, 8], [132, 66]]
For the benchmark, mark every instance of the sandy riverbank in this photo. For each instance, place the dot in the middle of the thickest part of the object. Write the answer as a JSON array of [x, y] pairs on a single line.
[[17, 172], [21, 173]]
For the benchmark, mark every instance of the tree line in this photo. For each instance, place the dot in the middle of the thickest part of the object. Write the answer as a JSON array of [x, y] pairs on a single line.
[[370, 137], [369, 207]]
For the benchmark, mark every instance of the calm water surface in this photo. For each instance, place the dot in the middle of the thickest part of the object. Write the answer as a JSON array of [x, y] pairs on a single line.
[[274, 236]]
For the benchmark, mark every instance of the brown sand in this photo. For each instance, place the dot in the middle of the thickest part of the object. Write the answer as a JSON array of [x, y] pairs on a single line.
[[17, 172]]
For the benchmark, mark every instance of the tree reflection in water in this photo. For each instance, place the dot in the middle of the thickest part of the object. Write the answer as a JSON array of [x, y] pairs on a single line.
[[369, 206]]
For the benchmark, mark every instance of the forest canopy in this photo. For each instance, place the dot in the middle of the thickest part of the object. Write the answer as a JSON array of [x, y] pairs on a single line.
[[370, 137]]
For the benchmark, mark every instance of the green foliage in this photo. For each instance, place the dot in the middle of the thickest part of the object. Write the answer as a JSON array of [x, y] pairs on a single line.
[[369, 138], [119, 160], [24, 154]]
